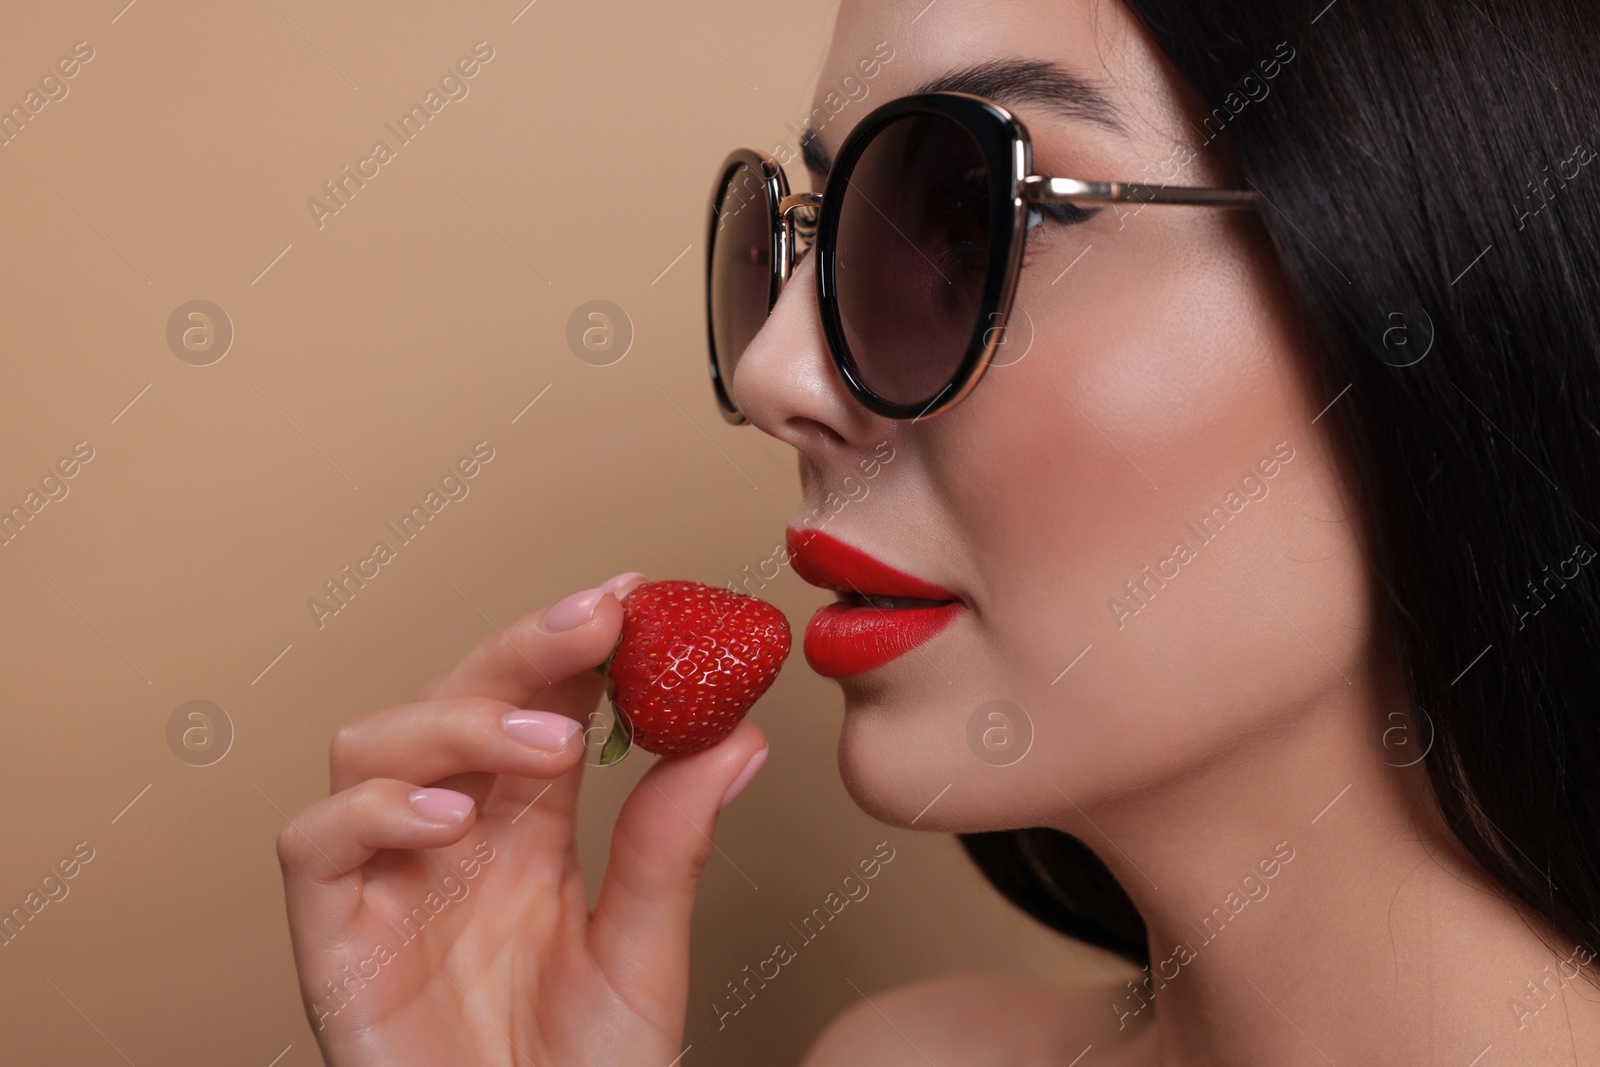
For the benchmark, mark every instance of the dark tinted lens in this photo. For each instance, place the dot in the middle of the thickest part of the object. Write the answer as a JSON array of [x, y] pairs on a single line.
[[741, 267], [912, 256]]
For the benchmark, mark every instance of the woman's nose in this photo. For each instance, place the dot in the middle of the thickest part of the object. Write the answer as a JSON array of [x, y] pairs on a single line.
[[786, 383]]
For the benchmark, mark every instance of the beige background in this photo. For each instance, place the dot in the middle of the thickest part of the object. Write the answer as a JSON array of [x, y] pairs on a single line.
[[369, 355]]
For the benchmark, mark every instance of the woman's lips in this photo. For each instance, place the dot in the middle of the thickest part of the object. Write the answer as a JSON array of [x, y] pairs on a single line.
[[883, 613], [842, 640]]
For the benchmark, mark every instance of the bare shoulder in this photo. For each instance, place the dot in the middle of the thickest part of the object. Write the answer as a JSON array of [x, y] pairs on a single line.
[[977, 1017]]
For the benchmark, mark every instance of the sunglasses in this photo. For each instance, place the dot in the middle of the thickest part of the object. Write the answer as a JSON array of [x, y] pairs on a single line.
[[919, 235]]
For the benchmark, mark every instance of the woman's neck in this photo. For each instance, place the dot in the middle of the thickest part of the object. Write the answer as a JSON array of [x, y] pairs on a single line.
[[1305, 904]]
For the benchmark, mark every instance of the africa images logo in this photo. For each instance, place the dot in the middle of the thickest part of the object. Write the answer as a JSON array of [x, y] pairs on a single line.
[[452, 87], [811, 926]]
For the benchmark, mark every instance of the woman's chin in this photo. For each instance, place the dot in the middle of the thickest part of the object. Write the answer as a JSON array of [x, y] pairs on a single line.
[[890, 764], [876, 760]]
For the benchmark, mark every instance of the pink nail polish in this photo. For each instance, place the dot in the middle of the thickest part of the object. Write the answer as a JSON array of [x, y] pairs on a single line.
[[441, 805], [574, 611], [737, 785], [611, 585], [548, 730]]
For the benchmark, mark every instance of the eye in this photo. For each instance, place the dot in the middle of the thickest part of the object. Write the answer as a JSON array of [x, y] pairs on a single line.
[[1063, 213]]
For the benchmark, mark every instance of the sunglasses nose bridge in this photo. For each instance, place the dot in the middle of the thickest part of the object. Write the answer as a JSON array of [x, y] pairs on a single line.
[[788, 204], [795, 200], [783, 264]]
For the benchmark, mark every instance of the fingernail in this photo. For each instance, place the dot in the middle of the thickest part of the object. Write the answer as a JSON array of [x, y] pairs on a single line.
[[611, 585], [549, 730], [574, 611], [441, 805], [737, 785]]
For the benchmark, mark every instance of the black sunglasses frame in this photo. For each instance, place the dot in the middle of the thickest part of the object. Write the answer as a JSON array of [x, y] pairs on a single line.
[[1013, 190], [773, 191]]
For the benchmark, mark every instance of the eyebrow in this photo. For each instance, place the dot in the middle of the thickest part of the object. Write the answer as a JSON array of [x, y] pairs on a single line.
[[1013, 81]]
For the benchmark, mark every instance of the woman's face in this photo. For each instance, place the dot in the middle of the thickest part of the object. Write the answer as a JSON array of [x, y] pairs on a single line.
[[1137, 507]]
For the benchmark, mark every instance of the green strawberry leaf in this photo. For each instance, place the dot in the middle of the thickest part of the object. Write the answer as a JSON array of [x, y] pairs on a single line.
[[619, 743]]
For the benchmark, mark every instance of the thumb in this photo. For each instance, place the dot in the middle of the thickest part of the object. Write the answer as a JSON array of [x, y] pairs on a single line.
[[639, 931]]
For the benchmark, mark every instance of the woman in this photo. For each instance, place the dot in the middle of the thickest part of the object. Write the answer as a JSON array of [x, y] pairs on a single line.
[[1267, 512]]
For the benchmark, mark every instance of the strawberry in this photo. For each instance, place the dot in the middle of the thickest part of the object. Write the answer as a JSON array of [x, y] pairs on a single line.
[[689, 664]]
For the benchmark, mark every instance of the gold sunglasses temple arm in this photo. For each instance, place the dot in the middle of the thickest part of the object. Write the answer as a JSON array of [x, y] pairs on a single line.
[[1038, 189], [1046, 190]]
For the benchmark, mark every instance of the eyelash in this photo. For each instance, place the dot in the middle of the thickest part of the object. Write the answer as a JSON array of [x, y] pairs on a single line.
[[1064, 213], [804, 222]]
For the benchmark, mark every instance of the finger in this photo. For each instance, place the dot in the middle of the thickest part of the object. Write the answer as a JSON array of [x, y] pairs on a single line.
[[659, 845], [434, 739], [322, 847], [539, 649], [623, 584], [463, 744], [494, 793]]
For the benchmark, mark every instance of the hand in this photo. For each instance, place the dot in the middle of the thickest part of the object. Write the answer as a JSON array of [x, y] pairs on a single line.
[[450, 925]]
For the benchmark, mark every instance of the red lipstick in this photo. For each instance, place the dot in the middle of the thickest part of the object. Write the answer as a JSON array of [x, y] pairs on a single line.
[[883, 613]]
